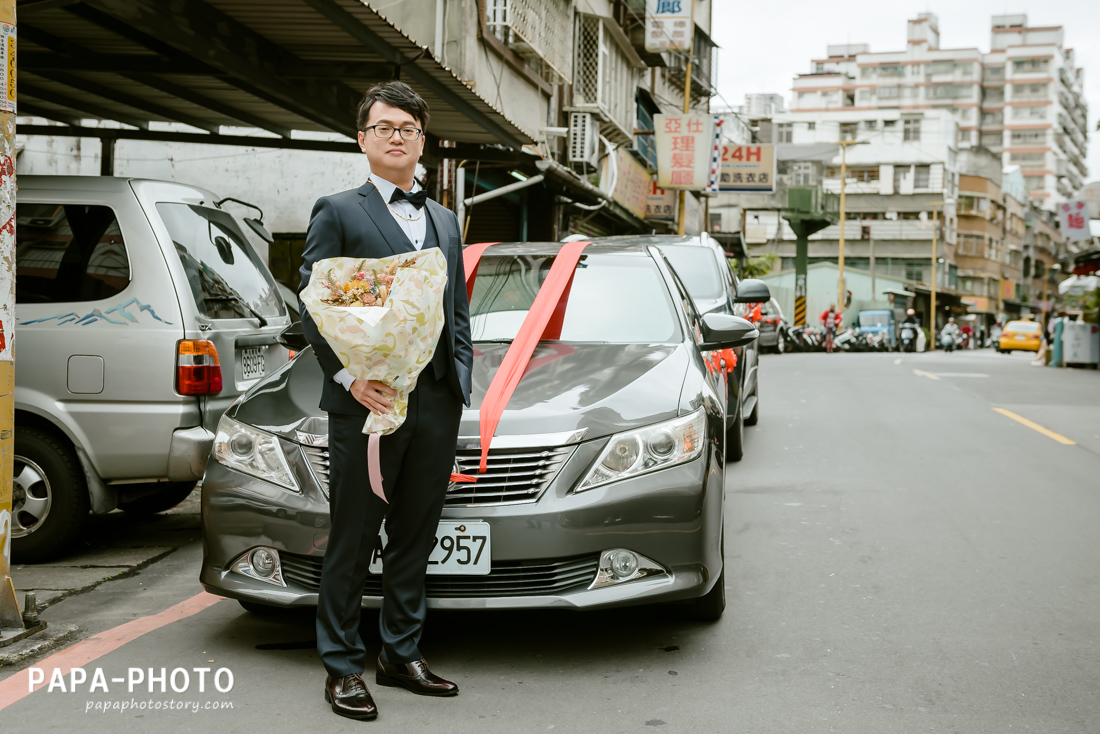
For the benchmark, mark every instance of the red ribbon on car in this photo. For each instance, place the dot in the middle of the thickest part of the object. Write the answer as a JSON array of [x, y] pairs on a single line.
[[543, 321]]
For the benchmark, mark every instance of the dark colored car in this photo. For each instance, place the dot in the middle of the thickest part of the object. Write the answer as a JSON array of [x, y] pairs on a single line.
[[701, 264], [773, 327], [605, 478]]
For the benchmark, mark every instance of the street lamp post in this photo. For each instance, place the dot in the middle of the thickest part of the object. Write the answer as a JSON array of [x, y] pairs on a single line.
[[840, 260]]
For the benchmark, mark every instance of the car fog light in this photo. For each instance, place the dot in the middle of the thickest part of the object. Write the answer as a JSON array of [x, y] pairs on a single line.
[[623, 564], [619, 565], [261, 564], [264, 563]]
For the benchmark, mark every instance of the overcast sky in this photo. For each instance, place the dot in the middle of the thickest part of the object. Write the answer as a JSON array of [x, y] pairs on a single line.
[[763, 45]]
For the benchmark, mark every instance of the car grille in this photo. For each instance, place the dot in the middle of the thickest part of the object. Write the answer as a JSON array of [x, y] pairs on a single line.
[[507, 578], [512, 476]]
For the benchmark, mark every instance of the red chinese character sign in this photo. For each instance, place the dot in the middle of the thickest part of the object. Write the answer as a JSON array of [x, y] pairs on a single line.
[[1075, 220], [684, 146], [747, 168], [668, 25]]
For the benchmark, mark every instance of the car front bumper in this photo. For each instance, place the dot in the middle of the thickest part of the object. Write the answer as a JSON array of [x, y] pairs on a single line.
[[544, 554]]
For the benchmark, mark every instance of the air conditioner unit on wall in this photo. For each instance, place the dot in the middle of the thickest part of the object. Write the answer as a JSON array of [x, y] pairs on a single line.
[[584, 138]]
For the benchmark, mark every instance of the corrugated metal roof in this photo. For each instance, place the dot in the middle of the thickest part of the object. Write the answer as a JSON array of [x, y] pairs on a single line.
[[276, 64]]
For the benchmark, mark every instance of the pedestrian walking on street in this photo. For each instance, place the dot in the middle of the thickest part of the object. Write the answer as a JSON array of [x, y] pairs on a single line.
[[387, 215], [830, 319]]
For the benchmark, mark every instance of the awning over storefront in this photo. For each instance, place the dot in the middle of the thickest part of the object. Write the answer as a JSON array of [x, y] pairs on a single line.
[[1087, 262], [277, 65]]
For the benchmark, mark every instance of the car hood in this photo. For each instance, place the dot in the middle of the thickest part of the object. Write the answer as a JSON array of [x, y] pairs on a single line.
[[604, 388]]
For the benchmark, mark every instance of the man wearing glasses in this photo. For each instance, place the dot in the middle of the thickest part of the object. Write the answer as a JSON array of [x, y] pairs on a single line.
[[387, 215]]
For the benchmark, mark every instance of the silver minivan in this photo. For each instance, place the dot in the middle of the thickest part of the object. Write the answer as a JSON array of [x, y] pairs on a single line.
[[142, 313]]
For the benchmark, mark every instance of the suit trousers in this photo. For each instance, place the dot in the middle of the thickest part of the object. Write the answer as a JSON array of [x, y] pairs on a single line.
[[417, 460]]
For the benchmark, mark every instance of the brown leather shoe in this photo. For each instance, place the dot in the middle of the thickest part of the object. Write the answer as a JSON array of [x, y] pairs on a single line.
[[350, 698], [414, 676]]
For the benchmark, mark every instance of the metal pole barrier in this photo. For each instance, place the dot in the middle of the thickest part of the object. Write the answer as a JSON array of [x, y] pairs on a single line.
[[9, 606]]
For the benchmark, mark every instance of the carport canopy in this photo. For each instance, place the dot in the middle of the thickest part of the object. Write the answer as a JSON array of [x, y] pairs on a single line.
[[277, 65]]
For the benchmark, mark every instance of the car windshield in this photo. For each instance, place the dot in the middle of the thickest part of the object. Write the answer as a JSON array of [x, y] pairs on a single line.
[[615, 298], [871, 320], [697, 269], [227, 277], [1029, 327]]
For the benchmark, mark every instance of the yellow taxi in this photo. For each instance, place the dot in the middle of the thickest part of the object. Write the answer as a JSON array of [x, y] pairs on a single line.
[[1022, 335]]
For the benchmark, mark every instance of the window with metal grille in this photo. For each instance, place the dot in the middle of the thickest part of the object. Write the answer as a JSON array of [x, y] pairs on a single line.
[[537, 30], [785, 132], [604, 80], [1029, 136], [914, 271], [911, 130]]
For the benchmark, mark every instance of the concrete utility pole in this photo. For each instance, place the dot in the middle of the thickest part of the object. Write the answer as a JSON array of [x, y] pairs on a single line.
[[935, 261], [9, 605]]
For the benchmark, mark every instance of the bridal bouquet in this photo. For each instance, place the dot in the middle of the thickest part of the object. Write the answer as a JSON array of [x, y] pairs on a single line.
[[382, 318]]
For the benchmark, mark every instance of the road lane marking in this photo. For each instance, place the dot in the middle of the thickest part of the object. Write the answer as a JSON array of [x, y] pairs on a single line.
[[897, 361], [1036, 427], [17, 686], [922, 373], [962, 374]]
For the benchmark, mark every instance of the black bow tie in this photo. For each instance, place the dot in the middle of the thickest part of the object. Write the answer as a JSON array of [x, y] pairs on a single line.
[[417, 199]]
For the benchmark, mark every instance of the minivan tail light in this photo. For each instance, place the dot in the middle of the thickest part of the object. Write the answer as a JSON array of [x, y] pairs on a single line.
[[198, 371]]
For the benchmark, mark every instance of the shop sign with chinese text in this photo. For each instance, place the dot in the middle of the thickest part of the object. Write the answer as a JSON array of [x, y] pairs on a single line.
[[632, 182], [668, 25], [684, 146], [747, 168], [660, 204], [1075, 220]]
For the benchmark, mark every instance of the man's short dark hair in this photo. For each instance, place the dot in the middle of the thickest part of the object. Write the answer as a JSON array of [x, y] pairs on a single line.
[[395, 94]]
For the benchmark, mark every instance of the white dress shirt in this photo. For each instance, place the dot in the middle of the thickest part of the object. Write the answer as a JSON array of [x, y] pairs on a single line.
[[412, 222]]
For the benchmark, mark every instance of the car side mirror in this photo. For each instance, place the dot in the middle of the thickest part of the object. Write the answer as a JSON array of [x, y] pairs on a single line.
[[722, 331], [293, 338], [752, 291]]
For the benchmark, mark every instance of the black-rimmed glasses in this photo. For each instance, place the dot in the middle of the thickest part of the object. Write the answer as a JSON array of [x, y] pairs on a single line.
[[386, 132]]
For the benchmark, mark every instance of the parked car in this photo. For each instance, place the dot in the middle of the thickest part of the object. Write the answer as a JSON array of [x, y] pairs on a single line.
[[1022, 335], [773, 327], [142, 312], [606, 476], [702, 265]]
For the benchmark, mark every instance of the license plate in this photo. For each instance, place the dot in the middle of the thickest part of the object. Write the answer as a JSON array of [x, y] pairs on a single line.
[[1020, 336], [252, 362], [459, 549]]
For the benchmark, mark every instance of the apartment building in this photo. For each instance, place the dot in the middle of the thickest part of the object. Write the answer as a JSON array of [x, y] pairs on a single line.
[[1023, 99]]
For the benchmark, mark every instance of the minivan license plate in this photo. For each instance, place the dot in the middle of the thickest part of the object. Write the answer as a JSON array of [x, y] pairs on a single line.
[[460, 549], [252, 362]]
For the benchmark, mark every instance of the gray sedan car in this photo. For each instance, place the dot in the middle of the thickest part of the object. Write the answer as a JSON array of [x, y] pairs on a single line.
[[605, 478]]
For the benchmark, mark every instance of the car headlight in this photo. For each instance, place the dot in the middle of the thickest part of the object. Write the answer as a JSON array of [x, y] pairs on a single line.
[[252, 451], [648, 449]]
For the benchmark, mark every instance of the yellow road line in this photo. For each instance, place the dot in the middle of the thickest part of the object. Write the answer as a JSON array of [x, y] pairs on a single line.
[[929, 375], [1036, 427]]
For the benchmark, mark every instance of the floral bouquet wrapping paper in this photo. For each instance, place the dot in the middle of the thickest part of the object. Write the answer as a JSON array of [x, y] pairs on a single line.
[[392, 339]]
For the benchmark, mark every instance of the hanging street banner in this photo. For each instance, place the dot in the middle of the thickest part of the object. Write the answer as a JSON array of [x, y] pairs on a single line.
[[660, 204], [668, 25], [684, 147], [747, 168], [1075, 220]]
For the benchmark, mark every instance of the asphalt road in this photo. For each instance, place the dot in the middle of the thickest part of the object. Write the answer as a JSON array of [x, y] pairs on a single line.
[[902, 558]]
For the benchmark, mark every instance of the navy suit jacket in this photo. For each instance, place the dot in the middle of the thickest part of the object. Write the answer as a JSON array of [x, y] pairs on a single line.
[[357, 223]]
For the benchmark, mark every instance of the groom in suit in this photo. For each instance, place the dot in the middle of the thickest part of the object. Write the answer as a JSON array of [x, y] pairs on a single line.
[[387, 215]]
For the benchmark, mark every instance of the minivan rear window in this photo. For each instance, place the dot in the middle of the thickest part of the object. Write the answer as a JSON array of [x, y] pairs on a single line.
[[67, 253], [227, 277]]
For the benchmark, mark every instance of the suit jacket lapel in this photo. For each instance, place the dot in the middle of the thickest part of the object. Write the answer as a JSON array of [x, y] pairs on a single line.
[[379, 213]]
